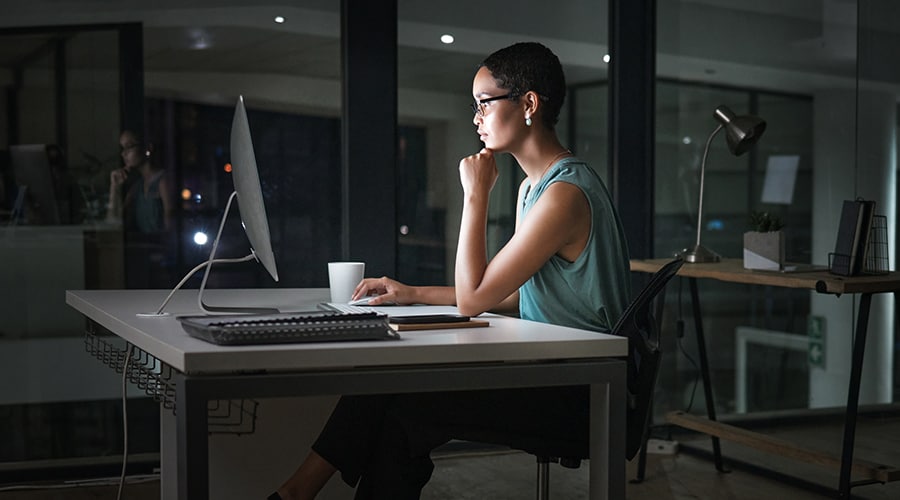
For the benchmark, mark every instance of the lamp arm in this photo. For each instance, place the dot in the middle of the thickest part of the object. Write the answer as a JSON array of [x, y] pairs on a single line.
[[702, 180]]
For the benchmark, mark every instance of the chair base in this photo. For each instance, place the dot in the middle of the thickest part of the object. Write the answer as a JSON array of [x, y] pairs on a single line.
[[543, 472]]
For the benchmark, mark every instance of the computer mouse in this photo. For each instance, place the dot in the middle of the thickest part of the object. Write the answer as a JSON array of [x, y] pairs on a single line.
[[364, 301]]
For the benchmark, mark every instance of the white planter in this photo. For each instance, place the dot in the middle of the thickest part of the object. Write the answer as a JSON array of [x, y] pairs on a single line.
[[764, 250]]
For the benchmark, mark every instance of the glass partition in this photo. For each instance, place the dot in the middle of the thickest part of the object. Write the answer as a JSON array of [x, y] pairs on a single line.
[[875, 156], [831, 136], [58, 133], [588, 109]]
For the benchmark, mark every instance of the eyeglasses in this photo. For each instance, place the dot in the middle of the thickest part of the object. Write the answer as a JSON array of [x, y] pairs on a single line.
[[478, 105]]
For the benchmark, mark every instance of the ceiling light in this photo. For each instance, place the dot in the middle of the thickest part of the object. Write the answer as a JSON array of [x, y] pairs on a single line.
[[279, 19], [199, 39], [448, 39], [606, 58]]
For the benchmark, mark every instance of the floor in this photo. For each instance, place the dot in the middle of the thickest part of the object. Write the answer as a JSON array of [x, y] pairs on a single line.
[[504, 475], [684, 472]]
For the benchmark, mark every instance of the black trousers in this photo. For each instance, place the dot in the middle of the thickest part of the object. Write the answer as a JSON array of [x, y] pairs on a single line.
[[383, 442]]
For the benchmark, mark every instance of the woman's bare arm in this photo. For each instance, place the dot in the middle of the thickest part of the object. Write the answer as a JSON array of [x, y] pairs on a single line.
[[557, 224]]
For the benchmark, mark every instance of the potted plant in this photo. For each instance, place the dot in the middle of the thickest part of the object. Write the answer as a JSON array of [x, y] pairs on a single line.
[[764, 242]]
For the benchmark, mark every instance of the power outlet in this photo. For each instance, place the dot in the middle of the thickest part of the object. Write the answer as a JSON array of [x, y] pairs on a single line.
[[662, 447]]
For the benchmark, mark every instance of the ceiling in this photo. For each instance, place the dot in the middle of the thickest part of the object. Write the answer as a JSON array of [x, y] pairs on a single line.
[[793, 46]]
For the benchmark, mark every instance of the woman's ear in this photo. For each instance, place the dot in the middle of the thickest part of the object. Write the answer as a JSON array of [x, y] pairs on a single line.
[[532, 102], [148, 150]]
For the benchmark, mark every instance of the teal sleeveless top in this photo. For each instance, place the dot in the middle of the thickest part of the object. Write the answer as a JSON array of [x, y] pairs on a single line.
[[148, 207], [591, 292]]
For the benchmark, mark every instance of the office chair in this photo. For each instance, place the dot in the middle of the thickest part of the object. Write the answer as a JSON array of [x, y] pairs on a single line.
[[639, 322]]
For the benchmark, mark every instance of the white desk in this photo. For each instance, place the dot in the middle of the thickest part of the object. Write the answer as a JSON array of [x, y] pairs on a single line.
[[509, 353]]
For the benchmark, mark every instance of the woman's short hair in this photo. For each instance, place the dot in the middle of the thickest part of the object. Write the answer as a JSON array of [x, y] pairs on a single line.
[[527, 66], [148, 146]]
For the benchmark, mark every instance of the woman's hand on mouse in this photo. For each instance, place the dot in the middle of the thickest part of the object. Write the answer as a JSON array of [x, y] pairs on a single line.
[[384, 290]]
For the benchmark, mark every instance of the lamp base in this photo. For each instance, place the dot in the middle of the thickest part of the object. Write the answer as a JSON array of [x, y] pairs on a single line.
[[698, 254]]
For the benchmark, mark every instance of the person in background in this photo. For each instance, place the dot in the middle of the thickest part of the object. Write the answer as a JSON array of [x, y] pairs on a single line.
[[141, 199], [140, 193], [566, 264]]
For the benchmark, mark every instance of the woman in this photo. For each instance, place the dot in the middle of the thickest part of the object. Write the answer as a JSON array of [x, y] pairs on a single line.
[[566, 264], [139, 192], [141, 200]]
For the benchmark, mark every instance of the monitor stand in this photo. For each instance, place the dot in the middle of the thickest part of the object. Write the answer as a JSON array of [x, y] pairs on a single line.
[[207, 265]]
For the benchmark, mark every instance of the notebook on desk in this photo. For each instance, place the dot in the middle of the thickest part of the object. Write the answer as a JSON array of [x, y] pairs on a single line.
[[433, 322], [790, 267], [284, 328]]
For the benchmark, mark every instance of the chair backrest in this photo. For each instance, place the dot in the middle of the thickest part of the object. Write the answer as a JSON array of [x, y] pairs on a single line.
[[640, 325]]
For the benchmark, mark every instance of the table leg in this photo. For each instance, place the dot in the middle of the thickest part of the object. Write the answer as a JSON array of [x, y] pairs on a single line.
[[859, 348], [168, 453], [704, 371], [192, 440], [607, 441]]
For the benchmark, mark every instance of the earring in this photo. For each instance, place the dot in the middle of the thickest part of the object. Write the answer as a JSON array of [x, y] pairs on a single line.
[[527, 121]]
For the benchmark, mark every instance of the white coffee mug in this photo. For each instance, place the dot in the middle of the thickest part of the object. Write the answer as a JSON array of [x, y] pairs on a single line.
[[343, 278]]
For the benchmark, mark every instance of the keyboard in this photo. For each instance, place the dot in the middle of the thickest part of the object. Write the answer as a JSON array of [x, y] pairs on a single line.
[[343, 308], [312, 326]]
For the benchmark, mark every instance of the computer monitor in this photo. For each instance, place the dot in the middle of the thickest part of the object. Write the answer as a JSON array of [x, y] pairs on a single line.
[[252, 209], [249, 194], [31, 170], [253, 217]]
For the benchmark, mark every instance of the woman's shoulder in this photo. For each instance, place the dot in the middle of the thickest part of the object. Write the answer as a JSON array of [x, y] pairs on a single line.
[[573, 170]]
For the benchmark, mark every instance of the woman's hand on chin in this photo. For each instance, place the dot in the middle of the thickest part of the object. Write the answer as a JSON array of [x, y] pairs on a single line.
[[478, 172]]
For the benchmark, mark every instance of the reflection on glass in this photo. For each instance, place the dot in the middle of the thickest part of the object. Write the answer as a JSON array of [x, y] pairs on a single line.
[[59, 119], [800, 73]]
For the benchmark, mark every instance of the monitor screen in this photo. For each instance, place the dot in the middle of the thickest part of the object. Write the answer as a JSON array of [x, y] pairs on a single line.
[[31, 169], [249, 193]]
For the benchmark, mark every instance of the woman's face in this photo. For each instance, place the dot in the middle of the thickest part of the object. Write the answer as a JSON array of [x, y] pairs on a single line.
[[132, 152], [498, 121]]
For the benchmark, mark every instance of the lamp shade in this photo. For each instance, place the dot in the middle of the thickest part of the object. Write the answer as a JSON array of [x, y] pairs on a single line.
[[741, 132]]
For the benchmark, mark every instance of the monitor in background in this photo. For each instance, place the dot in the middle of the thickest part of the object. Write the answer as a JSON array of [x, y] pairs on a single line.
[[31, 171], [253, 215]]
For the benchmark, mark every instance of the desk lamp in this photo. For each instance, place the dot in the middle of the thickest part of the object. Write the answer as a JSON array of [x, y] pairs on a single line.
[[741, 132]]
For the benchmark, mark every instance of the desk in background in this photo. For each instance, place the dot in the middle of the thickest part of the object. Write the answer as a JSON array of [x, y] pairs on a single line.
[[38, 331], [510, 353], [732, 270]]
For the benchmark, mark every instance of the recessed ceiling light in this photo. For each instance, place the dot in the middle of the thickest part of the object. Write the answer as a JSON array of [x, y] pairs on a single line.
[[279, 19], [448, 39], [606, 58], [199, 39]]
